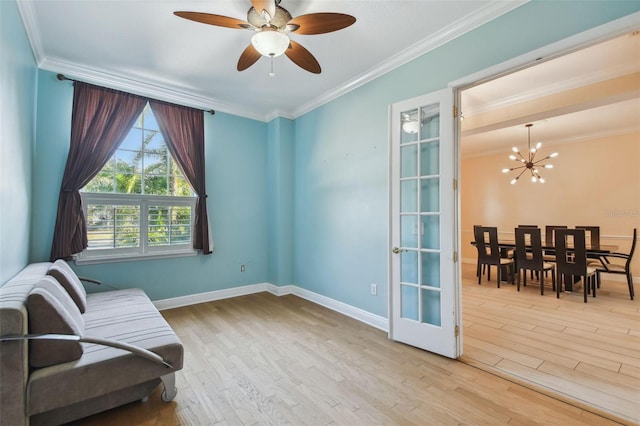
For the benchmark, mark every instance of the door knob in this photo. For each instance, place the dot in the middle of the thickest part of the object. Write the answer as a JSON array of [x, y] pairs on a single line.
[[396, 250]]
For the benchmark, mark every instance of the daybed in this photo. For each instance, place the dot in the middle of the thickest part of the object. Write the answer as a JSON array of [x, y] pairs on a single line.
[[119, 350]]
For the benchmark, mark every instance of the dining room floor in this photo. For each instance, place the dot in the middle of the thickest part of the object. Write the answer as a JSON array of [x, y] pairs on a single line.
[[589, 352]]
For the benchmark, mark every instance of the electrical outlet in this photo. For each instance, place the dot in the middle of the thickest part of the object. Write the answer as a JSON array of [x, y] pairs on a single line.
[[242, 268], [374, 289]]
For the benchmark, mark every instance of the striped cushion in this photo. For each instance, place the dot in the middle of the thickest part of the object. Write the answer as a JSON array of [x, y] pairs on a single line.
[[51, 310], [63, 273]]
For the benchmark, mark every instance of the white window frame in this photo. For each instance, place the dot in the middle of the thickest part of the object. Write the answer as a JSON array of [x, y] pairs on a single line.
[[143, 251]]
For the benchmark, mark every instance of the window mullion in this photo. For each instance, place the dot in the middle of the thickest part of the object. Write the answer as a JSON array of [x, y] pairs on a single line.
[[144, 225]]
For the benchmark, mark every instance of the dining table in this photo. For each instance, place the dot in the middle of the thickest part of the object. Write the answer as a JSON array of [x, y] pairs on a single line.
[[593, 250]]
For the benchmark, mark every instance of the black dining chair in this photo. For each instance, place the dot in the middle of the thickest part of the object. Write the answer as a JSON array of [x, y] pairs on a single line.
[[592, 235], [549, 238], [529, 256], [616, 268], [480, 269], [571, 260], [528, 226], [486, 240]]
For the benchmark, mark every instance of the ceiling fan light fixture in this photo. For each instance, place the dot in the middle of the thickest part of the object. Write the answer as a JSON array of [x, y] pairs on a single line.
[[270, 43], [411, 127]]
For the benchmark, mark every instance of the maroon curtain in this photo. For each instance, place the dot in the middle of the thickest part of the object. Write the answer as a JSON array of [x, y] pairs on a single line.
[[183, 131], [101, 118]]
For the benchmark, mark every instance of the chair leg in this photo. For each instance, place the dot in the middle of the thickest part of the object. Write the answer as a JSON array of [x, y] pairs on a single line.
[[558, 285], [541, 274], [630, 284], [499, 274], [518, 281], [585, 284]]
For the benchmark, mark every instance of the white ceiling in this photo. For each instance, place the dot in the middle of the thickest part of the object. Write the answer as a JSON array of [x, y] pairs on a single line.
[[140, 46]]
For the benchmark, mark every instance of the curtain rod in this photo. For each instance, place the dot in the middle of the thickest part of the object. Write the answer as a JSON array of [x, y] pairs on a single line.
[[62, 77]]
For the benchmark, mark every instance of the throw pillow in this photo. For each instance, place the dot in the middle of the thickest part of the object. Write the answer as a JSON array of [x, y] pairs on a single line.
[[66, 276], [51, 310]]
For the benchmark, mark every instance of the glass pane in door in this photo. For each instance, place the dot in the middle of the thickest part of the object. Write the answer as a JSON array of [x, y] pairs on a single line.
[[409, 302], [430, 269], [429, 158], [430, 195], [409, 267], [409, 161], [409, 231], [430, 117], [410, 125], [430, 232], [409, 196], [431, 312]]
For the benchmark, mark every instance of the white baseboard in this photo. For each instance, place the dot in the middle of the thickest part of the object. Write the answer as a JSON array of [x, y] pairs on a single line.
[[335, 305], [210, 296]]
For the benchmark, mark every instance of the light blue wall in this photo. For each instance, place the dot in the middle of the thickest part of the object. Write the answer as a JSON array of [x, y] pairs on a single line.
[[280, 143], [298, 202], [17, 135], [236, 160], [341, 149]]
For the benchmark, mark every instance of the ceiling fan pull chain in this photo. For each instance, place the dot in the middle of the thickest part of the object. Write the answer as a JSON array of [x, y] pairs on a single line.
[[271, 73]]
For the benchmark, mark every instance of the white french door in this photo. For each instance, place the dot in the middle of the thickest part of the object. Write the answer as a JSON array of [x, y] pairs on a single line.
[[424, 285]]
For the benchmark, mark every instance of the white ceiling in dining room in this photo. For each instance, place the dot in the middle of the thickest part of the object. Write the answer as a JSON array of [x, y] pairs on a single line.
[[590, 93]]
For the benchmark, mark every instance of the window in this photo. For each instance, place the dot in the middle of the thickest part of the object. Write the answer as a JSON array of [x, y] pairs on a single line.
[[139, 204]]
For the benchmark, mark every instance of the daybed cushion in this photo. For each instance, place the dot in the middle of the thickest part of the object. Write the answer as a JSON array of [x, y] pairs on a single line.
[[67, 277], [124, 315], [51, 310]]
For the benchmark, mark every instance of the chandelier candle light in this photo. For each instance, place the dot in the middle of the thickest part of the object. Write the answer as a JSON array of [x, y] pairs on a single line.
[[529, 162]]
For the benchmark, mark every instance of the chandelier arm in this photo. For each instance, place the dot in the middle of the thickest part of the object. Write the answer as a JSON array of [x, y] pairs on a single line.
[[518, 177]]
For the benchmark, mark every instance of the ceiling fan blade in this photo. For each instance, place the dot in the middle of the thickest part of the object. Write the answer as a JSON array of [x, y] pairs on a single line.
[[248, 58], [321, 23], [268, 5], [217, 20], [302, 58]]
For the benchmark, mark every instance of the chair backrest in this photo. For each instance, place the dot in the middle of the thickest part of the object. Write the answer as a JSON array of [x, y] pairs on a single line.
[[633, 248], [549, 231], [528, 248], [527, 226], [571, 252], [593, 232], [486, 238]]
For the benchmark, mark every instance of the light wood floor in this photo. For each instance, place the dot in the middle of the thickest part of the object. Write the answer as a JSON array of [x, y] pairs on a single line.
[[267, 360], [590, 351]]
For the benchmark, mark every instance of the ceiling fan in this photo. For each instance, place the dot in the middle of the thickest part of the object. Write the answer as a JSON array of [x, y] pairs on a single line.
[[272, 24]]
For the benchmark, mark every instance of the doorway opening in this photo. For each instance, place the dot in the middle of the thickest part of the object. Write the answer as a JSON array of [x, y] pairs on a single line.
[[586, 109]]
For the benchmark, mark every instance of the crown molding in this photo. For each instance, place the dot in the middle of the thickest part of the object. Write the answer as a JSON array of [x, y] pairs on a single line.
[[551, 89], [604, 134], [28, 15], [152, 90], [450, 32], [186, 97]]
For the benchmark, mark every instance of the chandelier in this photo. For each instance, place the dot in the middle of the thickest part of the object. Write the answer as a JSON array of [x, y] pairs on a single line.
[[529, 162]]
